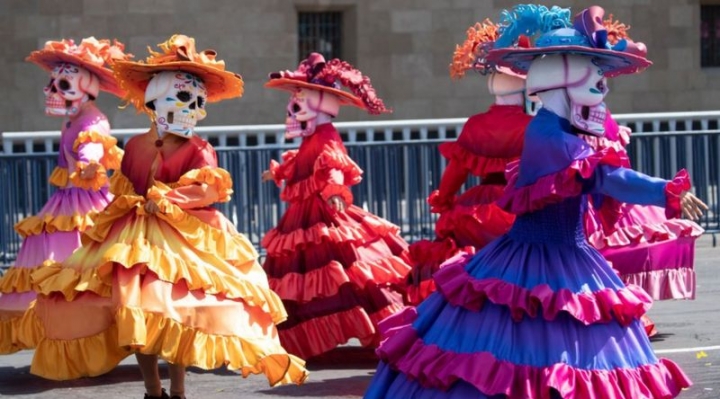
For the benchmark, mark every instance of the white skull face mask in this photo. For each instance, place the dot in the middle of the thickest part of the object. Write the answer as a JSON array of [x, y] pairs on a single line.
[[307, 109], [70, 86], [587, 109], [178, 102], [583, 83]]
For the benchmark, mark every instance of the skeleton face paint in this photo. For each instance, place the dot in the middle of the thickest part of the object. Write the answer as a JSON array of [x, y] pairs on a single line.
[[178, 101], [70, 86], [307, 109]]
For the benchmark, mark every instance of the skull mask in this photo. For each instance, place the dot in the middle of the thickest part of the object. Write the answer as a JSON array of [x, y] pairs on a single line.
[[587, 109], [584, 85], [307, 109], [70, 86], [178, 102]]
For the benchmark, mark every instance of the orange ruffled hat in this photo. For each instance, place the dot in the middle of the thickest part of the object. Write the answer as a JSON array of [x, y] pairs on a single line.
[[316, 74], [471, 53], [178, 54], [92, 54]]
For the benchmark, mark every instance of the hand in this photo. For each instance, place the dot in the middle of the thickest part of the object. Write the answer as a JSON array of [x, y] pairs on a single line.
[[692, 207], [337, 203], [89, 171], [151, 207], [267, 176]]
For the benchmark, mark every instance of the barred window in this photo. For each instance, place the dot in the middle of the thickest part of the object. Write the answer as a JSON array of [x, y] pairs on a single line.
[[710, 35], [320, 32]]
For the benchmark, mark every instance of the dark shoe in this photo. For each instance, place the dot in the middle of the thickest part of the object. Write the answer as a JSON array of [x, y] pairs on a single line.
[[164, 395]]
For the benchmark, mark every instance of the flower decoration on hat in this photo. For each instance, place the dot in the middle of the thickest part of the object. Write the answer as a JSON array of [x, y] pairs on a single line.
[[178, 54], [96, 56], [585, 36], [331, 76], [471, 53]]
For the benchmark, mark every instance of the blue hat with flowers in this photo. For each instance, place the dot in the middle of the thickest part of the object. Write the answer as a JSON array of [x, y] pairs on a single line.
[[585, 35]]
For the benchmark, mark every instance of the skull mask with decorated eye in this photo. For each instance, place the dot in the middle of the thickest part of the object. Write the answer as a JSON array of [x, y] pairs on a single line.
[[177, 100], [70, 86]]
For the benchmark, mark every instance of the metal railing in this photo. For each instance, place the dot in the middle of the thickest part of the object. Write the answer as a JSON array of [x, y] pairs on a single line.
[[401, 169], [364, 131]]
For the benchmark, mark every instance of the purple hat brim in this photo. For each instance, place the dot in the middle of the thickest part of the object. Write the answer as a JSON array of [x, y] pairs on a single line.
[[612, 63]]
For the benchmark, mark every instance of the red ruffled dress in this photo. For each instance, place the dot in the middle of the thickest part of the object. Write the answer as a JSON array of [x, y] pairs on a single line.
[[334, 271], [468, 222]]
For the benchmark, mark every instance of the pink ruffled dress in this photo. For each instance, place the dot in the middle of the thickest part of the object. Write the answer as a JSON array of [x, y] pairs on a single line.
[[643, 245], [54, 232]]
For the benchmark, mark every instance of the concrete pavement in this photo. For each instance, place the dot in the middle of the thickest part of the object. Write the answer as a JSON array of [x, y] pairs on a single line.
[[689, 335]]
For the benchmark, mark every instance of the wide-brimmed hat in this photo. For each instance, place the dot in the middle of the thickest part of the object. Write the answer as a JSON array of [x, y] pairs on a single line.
[[97, 56], [316, 74], [178, 54], [472, 53], [586, 36]]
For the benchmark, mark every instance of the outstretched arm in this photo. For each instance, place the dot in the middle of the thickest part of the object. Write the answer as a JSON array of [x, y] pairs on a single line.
[[627, 185], [453, 177]]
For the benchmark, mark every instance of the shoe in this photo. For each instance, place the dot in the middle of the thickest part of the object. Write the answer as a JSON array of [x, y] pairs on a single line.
[[164, 395]]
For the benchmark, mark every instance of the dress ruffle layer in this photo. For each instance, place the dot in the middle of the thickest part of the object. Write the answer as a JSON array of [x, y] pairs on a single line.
[[329, 159], [478, 165], [327, 280], [405, 352], [665, 283], [461, 289], [427, 257], [187, 347], [555, 187], [664, 230], [370, 227]]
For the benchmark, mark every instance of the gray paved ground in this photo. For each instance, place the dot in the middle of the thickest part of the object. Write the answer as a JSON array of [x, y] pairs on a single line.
[[345, 373]]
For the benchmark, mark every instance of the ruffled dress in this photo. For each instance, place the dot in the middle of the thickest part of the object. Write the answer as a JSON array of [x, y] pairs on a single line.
[[181, 283], [335, 271], [469, 221], [537, 313], [643, 245], [54, 233]]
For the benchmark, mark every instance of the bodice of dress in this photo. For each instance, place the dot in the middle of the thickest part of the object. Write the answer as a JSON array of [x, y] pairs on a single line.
[[89, 119], [489, 140], [325, 137], [556, 223], [142, 159]]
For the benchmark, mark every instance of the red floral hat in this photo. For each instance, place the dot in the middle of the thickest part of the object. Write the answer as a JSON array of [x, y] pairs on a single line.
[[316, 74], [97, 56]]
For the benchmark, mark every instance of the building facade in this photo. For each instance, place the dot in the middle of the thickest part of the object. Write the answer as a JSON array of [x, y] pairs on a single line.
[[405, 46]]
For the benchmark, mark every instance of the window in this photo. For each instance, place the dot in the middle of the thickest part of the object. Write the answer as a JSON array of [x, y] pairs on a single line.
[[710, 36], [320, 32]]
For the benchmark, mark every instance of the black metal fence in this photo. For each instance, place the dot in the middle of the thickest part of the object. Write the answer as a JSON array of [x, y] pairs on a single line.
[[398, 178]]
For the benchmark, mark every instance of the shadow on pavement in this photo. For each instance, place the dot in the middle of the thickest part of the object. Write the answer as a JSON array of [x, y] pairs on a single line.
[[344, 357], [19, 381], [351, 386]]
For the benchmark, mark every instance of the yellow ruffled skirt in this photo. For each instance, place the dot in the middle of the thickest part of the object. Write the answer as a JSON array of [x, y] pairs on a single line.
[[167, 284]]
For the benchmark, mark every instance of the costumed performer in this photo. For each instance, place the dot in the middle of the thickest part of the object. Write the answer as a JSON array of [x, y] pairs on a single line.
[[163, 273], [487, 143], [334, 265], [539, 313], [78, 72]]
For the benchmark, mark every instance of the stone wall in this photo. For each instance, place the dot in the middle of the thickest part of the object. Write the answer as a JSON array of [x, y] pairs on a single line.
[[403, 45]]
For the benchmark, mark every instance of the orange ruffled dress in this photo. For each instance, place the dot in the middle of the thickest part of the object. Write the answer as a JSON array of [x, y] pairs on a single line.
[[182, 283], [333, 270], [54, 232], [468, 222]]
